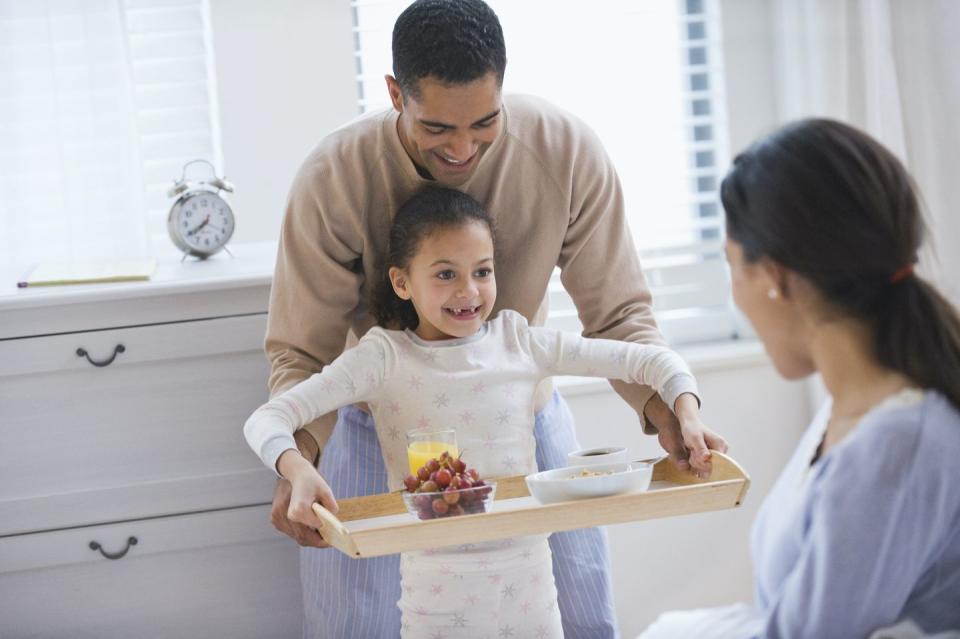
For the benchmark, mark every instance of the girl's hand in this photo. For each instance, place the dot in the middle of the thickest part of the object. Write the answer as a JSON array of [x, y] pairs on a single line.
[[304, 487], [697, 438]]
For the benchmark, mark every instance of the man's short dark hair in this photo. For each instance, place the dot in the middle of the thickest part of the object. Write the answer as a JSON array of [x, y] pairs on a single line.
[[454, 41]]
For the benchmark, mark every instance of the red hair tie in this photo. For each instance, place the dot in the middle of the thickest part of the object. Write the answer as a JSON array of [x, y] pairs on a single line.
[[902, 274]]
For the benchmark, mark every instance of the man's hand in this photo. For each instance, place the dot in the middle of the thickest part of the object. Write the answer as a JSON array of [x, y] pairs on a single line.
[[293, 499], [688, 446]]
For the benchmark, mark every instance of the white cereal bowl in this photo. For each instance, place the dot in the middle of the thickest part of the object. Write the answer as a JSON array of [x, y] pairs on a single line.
[[591, 456], [569, 483]]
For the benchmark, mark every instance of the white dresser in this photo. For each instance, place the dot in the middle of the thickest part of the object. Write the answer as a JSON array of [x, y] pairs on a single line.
[[130, 505]]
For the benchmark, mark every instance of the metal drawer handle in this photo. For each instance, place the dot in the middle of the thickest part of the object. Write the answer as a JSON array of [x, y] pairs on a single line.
[[132, 541], [119, 348]]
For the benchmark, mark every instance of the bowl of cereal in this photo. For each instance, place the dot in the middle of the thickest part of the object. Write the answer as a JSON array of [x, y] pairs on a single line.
[[595, 480]]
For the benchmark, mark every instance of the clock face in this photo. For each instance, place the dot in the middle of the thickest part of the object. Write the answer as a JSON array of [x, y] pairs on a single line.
[[202, 222]]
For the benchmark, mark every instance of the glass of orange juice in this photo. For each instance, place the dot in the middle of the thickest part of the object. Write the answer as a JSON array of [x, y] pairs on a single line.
[[423, 446]]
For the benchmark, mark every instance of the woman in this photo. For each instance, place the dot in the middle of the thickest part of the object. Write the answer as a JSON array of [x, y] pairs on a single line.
[[862, 530]]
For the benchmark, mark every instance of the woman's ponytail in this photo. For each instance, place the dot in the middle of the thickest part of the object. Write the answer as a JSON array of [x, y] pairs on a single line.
[[918, 334]]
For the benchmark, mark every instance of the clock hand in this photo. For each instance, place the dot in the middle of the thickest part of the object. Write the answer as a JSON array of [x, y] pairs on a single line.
[[206, 221]]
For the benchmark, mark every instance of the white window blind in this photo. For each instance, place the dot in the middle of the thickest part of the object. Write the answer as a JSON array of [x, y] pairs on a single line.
[[648, 78], [172, 60], [101, 104]]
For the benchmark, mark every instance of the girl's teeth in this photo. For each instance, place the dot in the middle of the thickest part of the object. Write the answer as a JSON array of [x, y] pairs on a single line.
[[464, 311]]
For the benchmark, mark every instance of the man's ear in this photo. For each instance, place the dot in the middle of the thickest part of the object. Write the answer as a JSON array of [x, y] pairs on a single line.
[[396, 93], [399, 281]]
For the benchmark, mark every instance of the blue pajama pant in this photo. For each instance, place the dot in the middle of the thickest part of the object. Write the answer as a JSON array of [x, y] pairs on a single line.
[[346, 598]]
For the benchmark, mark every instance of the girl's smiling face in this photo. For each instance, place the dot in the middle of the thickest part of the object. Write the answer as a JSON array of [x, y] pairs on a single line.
[[450, 281]]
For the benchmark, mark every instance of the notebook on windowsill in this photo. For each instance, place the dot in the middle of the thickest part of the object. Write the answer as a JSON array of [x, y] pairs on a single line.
[[91, 272]]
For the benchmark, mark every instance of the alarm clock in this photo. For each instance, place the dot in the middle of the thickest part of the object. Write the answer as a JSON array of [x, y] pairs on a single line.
[[200, 222]]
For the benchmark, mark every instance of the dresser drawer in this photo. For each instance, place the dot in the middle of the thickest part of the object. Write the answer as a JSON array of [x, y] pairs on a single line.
[[220, 574], [157, 431], [148, 344]]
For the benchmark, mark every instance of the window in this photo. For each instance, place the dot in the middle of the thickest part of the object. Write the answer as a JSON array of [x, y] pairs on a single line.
[[648, 78], [101, 104], [171, 54]]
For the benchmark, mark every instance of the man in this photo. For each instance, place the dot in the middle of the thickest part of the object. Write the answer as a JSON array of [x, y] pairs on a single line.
[[557, 202]]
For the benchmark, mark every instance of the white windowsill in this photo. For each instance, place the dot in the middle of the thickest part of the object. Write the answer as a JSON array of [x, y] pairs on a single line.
[[702, 358]]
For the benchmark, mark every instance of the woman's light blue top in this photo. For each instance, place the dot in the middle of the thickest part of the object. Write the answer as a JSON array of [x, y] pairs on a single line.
[[869, 534]]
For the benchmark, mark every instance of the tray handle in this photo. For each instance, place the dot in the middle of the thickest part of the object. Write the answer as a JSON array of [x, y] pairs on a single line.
[[732, 470], [334, 532], [724, 469]]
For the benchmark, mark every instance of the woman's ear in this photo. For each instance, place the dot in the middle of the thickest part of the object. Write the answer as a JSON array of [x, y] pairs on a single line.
[[778, 278], [398, 279]]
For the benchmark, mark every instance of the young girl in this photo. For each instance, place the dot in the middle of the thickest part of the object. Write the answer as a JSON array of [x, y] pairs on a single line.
[[450, 368]]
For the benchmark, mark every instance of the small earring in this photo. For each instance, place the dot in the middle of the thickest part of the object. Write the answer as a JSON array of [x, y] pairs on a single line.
[[773, 294]]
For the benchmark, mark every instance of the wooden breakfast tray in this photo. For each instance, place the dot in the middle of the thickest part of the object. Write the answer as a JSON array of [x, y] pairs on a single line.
[[380, 524]]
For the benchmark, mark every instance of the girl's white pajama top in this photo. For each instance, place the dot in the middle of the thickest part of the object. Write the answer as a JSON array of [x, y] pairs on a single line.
[[482, 387]]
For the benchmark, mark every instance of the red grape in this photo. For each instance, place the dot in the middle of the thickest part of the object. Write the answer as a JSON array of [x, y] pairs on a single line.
[[446, 488], [443, 478], [411, 483]]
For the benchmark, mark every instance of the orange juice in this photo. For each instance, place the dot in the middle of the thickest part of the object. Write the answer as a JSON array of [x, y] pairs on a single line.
[[419, 453]]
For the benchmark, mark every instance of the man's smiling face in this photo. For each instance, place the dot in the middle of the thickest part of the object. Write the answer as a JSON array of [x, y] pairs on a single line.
[[446, 128]]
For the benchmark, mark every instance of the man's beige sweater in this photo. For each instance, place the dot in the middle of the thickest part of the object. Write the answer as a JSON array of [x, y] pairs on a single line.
[[545, 180]]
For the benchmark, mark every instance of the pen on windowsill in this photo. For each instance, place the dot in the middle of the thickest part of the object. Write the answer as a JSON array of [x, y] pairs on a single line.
[[24, 281]]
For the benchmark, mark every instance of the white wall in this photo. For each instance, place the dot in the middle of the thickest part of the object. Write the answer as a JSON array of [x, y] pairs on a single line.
[[749, 71], [696, 560], [286, 77]]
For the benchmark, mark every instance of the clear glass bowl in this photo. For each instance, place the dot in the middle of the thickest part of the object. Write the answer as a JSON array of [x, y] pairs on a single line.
[[466, 501]]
